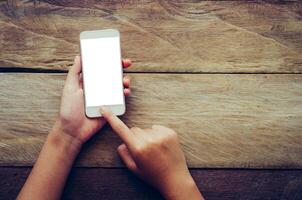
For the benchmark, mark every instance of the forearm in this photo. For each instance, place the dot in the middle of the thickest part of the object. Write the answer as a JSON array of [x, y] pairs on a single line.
[[47, 179], [183, 187]]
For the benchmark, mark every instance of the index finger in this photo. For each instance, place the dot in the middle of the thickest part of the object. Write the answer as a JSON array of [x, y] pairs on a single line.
[[117, 125]]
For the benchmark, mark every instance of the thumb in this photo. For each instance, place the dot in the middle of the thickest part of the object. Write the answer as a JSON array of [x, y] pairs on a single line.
[[73, 76], [127, 158]]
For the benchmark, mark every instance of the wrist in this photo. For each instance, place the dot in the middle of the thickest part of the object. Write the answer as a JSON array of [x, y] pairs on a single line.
[[63, 142], [181, 187]]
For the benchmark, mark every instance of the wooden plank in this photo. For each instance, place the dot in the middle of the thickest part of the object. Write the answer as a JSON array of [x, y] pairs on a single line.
[[235, 120], [160, 36], [98, 183]]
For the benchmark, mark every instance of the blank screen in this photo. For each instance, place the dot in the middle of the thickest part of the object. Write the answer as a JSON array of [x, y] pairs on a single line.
[[101, 59]]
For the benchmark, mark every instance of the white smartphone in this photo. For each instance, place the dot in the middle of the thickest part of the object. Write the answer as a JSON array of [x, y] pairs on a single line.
[[102, 71]]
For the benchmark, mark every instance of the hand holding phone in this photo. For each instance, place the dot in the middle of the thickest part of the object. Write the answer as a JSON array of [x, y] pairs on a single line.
[[72, 119], [70, 131], [102, 71]]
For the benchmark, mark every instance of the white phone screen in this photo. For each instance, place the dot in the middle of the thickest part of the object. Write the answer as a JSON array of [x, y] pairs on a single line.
[[101, 60]]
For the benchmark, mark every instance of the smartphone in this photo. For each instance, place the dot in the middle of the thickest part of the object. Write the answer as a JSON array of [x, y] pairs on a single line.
[[102, 71]]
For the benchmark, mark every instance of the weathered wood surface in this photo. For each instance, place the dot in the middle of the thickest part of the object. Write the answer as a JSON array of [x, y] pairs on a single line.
[[98, 183], [249, 121], [160, 36]]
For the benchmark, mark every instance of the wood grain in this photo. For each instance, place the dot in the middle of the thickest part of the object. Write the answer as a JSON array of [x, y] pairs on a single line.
[[99, 183], [240, 121], [160, 36]]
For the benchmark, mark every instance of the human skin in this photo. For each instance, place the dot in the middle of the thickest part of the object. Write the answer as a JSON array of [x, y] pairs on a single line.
[[63, 143], [72, 129], [167, 170]]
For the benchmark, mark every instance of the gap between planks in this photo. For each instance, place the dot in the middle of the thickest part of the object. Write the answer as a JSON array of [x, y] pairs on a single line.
[[55, 71]]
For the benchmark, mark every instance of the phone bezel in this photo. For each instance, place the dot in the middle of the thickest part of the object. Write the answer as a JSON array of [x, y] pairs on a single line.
[[94, 111]]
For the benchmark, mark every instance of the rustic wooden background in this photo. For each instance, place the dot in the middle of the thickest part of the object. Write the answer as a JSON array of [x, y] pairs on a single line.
[[226, 75]]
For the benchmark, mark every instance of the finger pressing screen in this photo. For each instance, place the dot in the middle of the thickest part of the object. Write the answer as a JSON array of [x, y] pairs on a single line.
[[117, 125]]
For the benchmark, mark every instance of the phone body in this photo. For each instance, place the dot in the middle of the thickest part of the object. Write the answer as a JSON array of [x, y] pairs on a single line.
[[102, 72]]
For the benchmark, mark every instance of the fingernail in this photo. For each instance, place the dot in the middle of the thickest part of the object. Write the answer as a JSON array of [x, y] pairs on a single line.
[[103, 109], [129, 61]]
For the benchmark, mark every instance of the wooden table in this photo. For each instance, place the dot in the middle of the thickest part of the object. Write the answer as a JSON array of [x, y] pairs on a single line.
[[226, 75]]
